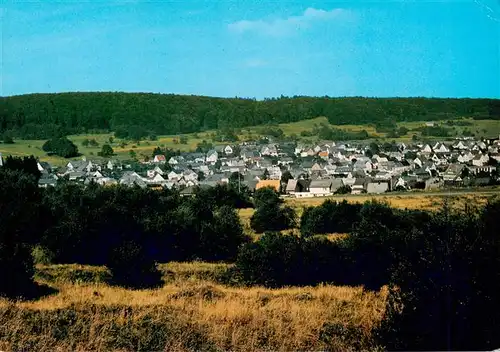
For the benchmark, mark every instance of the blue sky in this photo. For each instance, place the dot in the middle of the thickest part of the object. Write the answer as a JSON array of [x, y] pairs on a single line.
[[252, 48]]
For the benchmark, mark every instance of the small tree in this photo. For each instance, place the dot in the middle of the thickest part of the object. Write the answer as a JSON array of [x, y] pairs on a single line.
[[285, 177], [106, 151], [132, 154], [269, 214]]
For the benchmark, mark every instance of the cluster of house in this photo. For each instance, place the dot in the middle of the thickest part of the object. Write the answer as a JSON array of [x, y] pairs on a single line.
[[311, 170]]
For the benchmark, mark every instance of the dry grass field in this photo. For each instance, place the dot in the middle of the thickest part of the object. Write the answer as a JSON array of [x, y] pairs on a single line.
[[192, 311], [421, 201]]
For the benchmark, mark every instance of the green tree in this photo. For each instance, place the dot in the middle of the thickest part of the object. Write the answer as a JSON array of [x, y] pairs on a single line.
[[286, 176], [269, 214], [106, 151], [60, 146], [132, 154], [25, 164], [21, 225]]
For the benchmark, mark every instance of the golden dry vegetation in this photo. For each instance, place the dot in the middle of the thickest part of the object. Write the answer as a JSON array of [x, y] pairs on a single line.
[[421, 201], [192, 311]]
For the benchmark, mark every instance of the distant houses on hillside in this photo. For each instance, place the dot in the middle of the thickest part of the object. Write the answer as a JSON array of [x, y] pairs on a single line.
[[301, 170]]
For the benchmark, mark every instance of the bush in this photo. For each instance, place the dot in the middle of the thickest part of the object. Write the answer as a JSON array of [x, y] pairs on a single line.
[[273, 218], [283, 260], [329, 217], [273, 261], [346, 189], [445, 288], [131, 267]]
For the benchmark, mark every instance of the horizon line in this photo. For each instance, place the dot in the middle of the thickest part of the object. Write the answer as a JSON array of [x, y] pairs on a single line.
[[249, 98]]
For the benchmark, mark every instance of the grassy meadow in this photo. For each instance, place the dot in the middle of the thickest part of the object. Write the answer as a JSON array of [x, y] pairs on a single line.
[[192, 311], [145, 148]]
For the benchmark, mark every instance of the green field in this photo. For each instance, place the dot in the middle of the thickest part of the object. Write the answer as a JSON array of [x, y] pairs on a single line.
[[481, 128]]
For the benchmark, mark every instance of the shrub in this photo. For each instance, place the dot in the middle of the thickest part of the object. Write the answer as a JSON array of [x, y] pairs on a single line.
[[329, 217], [273, 261], [131, 267], [273, 218]]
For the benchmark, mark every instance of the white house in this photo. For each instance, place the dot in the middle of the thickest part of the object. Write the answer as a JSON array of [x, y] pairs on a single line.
[[460, 145], [158, 179], [377, 187], [172, 161], [158, 170], [320, 187], [274, 172], [228, 150], [427, 149], [465, 158], [480, 160], [173, 176], [190, 175], [212, 156], [440, 148]]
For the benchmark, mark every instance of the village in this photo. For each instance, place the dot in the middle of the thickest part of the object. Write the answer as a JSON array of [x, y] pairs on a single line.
[[300, 170]]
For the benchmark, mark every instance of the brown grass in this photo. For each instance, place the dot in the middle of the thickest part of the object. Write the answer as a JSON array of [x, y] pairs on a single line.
[[191, 304], [422, 201]]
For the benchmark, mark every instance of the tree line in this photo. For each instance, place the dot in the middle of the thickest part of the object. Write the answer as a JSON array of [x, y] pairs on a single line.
[[138, 115], [442, 268]]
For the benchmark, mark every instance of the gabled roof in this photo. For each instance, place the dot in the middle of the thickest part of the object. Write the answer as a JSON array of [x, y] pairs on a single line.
[[321, 183], [361, 181]]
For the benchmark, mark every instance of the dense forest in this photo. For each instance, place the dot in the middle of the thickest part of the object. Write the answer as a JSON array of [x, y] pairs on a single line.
[[42, 116]]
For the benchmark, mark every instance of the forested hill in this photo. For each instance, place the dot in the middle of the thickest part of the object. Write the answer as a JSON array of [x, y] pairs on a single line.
[[41, 116]]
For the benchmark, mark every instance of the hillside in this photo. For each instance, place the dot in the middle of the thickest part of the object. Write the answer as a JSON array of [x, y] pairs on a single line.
[[136, 115], [191, 312]]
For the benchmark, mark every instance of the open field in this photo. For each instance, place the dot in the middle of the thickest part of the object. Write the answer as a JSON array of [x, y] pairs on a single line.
[[145, 147], [414, 200], [432, 201], [192, 311]]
